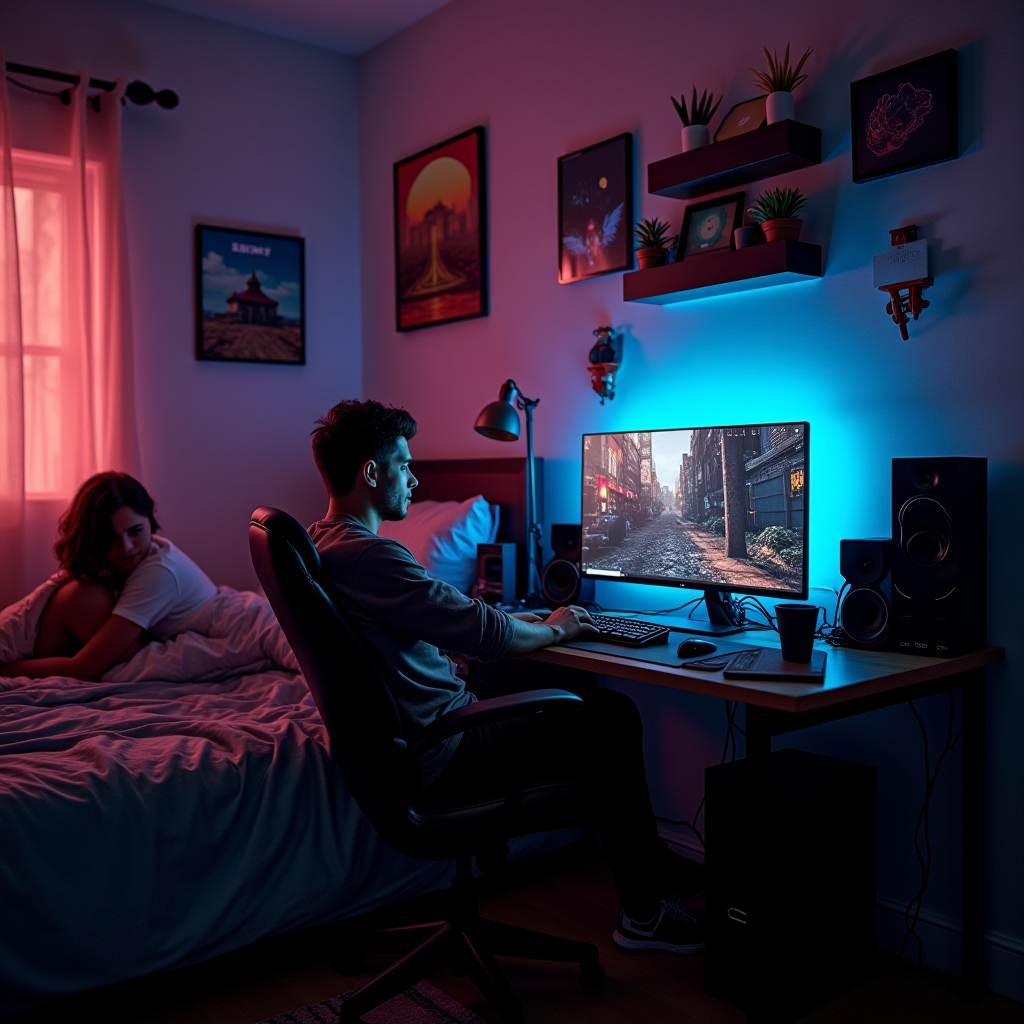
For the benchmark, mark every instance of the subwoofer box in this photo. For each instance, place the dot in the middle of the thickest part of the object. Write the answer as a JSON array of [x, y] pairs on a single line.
[[821, 871], [939, 555]]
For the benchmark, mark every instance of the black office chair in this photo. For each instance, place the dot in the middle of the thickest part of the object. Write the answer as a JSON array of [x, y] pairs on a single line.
[[367, 743]]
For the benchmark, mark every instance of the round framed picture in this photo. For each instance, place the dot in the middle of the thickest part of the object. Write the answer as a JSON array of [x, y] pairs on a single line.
[[707, 226]]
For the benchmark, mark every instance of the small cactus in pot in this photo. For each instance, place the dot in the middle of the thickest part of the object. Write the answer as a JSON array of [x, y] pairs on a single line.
[[696, 117], [776, 211], [653, 243]]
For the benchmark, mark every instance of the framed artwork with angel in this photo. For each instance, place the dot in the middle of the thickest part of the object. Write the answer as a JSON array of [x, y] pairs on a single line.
[[595, 210]]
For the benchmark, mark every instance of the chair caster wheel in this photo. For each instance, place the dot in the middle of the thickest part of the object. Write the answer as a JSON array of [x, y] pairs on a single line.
[[591, 975]]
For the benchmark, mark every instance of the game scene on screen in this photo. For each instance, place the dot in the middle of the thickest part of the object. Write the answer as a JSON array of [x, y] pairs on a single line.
[[715, 505]]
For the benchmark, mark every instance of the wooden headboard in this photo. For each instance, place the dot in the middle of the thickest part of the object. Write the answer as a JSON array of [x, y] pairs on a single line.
[[501, 481]]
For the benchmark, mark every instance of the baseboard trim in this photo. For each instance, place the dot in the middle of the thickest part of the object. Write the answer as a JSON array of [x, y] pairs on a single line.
[[940, 935], [941, 938]]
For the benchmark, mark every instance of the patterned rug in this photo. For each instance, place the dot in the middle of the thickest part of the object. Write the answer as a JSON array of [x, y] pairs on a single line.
[[422, 1004]]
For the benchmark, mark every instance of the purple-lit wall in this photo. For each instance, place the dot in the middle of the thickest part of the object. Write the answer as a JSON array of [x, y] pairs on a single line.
[[265, 138], [548, 77]]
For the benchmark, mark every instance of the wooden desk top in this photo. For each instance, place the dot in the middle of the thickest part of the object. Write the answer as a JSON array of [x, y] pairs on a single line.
[[849, 673]]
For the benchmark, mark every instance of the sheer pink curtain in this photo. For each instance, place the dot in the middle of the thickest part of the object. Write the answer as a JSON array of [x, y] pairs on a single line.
[[12, 417], [97, 406], [99, 322]]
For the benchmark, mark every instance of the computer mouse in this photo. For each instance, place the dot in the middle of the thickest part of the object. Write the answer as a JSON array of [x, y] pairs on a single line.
[[691, 648]]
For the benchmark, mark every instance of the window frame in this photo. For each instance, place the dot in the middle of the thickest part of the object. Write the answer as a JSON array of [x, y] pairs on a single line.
[[48, 172]]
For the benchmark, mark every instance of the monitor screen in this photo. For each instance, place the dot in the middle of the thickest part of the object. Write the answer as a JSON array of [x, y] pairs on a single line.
[[712, 508]]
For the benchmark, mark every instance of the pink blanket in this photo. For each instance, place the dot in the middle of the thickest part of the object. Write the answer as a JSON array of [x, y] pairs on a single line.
[[184, 806], [234, 633]]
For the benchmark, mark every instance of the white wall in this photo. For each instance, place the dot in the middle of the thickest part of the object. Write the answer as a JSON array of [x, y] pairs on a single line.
[[265, 137], [549, 76]]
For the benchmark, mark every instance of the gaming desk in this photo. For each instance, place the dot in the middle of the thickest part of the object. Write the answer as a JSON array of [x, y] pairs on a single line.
[[855, 681]]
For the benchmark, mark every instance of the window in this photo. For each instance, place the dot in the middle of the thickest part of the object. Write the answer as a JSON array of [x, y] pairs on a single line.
[[42, 196]]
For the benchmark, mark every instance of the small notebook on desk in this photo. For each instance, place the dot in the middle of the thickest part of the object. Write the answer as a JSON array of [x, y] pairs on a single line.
[[766, 663]]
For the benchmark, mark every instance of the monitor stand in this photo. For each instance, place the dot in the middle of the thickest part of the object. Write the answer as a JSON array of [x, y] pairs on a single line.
[[725, 616]]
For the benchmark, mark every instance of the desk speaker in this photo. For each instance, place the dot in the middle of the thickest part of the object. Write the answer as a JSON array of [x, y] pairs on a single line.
[[561, 581], [495, 573], [865, 613], [939, 555], [820, 862]]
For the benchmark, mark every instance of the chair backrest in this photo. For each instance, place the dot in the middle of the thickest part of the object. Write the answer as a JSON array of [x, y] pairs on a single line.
[[342, 671]]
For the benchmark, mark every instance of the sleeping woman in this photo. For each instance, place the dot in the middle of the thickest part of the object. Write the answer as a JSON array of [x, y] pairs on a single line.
[[127, 586]]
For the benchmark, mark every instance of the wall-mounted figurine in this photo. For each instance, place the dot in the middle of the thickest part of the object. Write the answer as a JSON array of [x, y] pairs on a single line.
[[904, 266], [605, 359]]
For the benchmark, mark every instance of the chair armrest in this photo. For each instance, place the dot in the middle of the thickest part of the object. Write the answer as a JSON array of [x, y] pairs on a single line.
[[495, 709]]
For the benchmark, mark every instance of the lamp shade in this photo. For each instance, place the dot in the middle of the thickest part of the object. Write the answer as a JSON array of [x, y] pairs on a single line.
[[499, 421]]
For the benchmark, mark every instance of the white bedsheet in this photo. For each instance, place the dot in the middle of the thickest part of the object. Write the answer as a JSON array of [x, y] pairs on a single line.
[[181, 808]]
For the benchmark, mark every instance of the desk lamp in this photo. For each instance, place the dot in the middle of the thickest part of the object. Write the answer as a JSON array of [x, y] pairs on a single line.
[[500, 422]]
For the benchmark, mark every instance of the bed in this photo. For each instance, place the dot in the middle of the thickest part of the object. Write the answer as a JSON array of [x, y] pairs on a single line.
[[187, 804]]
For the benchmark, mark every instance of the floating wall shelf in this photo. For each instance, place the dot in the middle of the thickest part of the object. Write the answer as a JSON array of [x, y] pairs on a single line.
[[763, 153], [731, 270]]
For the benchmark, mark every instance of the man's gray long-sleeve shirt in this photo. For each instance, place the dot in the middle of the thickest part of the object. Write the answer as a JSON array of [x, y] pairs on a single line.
[[406, 616]]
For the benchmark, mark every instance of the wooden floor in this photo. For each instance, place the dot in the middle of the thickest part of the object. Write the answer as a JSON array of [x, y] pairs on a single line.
[[569, 898]]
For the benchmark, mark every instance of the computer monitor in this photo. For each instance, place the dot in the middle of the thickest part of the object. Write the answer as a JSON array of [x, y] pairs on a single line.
[[718, 509]]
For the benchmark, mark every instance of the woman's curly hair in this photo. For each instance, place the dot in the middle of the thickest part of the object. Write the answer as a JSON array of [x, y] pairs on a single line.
[[86, 535]]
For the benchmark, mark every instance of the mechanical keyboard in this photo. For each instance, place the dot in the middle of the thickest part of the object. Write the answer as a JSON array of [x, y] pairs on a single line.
[[629, 632]]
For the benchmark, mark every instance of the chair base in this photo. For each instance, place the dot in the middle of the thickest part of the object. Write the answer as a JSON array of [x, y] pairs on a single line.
[[467, 944]]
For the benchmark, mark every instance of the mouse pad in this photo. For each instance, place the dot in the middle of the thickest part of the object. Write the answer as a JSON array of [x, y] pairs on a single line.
[[770, 666], [659, 654]]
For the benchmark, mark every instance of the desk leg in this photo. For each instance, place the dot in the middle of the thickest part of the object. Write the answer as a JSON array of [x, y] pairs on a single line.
[[973, 835], [760, 984]]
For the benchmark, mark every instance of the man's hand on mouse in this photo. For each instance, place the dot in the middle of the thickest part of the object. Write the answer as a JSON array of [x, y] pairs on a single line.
[[570, 621]]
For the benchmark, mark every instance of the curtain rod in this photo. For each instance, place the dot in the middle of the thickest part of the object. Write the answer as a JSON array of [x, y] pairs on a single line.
[[137, 92]]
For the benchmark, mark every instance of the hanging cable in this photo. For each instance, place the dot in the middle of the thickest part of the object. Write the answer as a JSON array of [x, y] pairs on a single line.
[[924, 858], [731, 707]]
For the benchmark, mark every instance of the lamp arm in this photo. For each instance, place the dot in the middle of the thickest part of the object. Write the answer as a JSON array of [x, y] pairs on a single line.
[[534, 545], [534, 550]]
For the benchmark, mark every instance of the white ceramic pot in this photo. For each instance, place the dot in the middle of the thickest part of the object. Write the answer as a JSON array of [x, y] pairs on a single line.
[[694, 136], [780, 107]]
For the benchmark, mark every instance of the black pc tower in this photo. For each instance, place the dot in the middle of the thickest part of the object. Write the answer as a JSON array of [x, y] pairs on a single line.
[[821, 867]]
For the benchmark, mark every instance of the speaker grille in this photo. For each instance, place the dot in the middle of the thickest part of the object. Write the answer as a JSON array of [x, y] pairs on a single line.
[[561, 581], [865, 616]]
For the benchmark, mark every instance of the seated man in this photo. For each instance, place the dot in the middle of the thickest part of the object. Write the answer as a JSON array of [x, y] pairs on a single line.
[[362, 452]]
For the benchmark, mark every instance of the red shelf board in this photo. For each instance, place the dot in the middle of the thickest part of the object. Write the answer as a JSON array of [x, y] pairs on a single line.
[[774, 149], [717, 273]]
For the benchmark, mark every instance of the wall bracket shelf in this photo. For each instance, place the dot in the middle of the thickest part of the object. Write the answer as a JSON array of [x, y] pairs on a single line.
[[718, 273], [763, 153]]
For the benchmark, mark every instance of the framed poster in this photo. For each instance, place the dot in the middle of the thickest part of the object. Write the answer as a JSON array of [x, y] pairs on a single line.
[[708, 225], [441, 233], [250, 298], [905, 117], [745, 117], [595, 210]]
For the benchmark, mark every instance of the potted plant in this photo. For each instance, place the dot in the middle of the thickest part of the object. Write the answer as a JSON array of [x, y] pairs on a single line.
[[775, 210], [747, 235], [779, 81], [695, 119], [654, 242]]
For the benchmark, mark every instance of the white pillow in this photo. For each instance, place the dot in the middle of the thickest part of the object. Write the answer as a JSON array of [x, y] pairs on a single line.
[[443, 535]]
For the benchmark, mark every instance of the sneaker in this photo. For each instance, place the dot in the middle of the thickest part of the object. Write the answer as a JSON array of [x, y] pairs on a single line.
[[672, 931]]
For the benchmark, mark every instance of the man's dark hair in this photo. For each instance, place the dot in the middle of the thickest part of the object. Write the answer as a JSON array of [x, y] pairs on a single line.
[[353, 433]]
